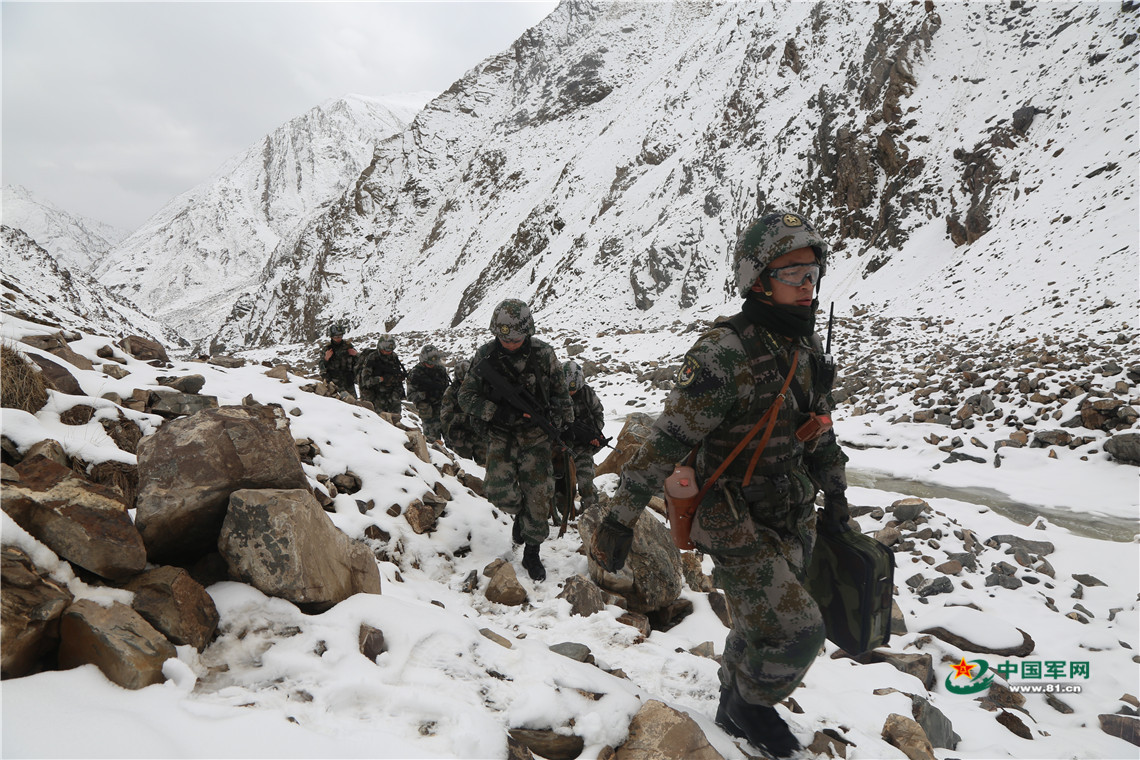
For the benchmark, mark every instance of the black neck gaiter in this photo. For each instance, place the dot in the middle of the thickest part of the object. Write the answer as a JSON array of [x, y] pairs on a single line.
[[789, 321]]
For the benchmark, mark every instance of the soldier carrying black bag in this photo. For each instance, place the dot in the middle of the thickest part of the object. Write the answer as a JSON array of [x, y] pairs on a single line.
[[757, 521]]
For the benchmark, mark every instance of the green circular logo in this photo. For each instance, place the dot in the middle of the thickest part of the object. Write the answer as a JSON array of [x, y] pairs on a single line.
[[969, 677]]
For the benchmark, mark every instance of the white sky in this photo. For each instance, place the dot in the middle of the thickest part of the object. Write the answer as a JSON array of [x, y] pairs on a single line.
[[112, 109]]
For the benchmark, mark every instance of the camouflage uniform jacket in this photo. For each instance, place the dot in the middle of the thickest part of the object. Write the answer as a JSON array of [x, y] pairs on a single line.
[[341, 366], [725, 385], [537, 370], [427, 384], [589, 418], [374, 365], [449, 411]]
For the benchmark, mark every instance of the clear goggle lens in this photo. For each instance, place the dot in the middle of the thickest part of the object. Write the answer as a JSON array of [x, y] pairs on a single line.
[[796, 274]]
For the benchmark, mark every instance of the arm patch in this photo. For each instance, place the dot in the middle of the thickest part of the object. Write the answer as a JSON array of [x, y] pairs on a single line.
[[688, 372]]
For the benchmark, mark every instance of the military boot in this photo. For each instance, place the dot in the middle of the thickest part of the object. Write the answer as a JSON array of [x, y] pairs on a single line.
[[532, 564], [759, 724]]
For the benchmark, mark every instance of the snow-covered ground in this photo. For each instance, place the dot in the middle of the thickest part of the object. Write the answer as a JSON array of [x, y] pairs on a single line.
[[279, 683]]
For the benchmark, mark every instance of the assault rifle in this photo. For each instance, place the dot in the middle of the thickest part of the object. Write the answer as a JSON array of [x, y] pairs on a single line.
[[584, 431], [519, 398]]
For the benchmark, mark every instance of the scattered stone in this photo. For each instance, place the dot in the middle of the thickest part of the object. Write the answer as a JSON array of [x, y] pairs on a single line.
[[908, 509], [1023, 650], [490, 635], [1088, 580], [1014, 724], [504, 587], [1016, 543], [372, 643], [1057, 704], [143, 349], [32, 605], [190, 384], [937, 727], [1124, 448], [906, 734], [548, 744], [176, 605], [575, 651], [659, 732], [584, 596], [229, 362]]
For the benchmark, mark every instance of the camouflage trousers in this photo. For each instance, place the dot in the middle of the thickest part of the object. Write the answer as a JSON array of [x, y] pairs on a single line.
[[520, 480], [345, 383], [777, 630], [429, 415], [465, 442], [383, 399]]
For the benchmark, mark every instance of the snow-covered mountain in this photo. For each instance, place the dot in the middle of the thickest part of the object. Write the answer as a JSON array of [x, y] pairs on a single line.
[[36, 286], [193, 259], [968, 160], [77, 242]]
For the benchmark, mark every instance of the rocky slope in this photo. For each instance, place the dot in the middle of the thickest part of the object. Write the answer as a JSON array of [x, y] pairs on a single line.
[[77, 243], [190, 262], [37, 286], [601, 167]]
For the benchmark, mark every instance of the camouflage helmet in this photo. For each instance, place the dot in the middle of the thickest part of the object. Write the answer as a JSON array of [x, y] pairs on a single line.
[[770, 237], [575, 378], [429, 354], [461, 370], [386, 343], [336, 328], [512, 320]]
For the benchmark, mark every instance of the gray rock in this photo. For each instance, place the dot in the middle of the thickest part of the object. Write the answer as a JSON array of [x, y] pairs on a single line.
[[282, 543], [906, 734], [932, 586], [584, 596], [504, 586], [549, 744], [1124, 448], [908, 509], [1040, 548], [937, 727], [1005, 581], [175, 404], [651, 578], [1088, 580], [188, 469], [143, 349], [190, 384], [576, 652], [1122, 726], [1022, 650]]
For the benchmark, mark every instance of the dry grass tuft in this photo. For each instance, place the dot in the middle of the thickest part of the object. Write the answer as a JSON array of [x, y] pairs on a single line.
[[22, 385]]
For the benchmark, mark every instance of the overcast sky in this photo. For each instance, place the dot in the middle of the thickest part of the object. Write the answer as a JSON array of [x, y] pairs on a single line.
[[112, 109]]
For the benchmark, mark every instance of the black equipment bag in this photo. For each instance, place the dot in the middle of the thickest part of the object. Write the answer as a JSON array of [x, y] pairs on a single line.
[[851, 577]]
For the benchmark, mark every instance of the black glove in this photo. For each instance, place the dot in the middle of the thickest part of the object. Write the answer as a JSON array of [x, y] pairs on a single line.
[[835, 511], [612, 543]]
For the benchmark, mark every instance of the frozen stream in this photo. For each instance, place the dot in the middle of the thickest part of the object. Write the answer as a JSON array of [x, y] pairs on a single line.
[[1104, 527]]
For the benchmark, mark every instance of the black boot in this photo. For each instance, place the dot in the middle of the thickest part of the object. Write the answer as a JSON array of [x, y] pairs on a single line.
[[516, 529], [532, 564], [759, 724]]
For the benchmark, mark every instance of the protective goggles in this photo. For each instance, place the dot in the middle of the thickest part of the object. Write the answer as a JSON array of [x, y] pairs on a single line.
[[795, 274]]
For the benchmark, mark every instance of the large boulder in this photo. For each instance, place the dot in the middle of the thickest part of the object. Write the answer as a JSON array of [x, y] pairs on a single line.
[[176, 605], [117, 640], [652, 576], [31, 605], [142, 348], [281, 542], [1124, 447], [83, 522], [190, 466], [636, 430]]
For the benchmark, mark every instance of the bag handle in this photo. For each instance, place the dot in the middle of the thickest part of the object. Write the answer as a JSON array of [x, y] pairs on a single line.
[[769, 418]]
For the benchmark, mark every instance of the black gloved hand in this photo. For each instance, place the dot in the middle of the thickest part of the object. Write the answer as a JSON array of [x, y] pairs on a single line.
[[612, 543], [504, 415], [835, 511]]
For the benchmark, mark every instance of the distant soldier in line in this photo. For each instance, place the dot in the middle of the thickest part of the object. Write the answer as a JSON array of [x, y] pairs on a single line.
[[520, 371], [585, 433], [426, 385], [463, 434], [338, 361], [381, 375]]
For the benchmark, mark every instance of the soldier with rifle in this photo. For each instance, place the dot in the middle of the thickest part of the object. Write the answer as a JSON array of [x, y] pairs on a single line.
[[426, 384], [517, 388], [584, 434]]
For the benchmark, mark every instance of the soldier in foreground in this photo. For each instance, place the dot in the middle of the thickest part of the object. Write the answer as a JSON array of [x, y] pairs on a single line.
[[460, 431], [758, 521], [516, 387], [380, 375], [338, 361], [585, 433], [426, 384]]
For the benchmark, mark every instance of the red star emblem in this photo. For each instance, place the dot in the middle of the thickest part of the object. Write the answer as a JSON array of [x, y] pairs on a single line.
[[963, 668]]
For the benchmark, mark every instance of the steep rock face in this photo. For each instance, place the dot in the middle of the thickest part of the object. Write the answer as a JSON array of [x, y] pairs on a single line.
[[613, 154], [192, 261], [77, 242], [37, 285]]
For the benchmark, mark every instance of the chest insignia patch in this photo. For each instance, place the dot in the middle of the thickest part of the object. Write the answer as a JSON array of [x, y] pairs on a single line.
[[688, 372]]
